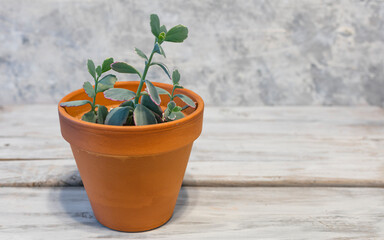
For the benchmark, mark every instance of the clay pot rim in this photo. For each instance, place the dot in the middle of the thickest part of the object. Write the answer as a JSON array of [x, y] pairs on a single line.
[[154, 127]]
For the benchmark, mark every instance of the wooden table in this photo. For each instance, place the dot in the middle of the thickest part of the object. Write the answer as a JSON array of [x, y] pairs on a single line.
[[255, 173]]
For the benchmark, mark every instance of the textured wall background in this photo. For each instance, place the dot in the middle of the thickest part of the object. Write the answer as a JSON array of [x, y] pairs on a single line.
[[238, 53]]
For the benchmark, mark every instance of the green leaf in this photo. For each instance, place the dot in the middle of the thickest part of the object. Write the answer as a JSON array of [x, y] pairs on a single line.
[[106, 82], [102, 113], [173, 112], [179, 115], [119, 94], [163, 29], [89, 117], [89, 89], [141, 54], [186, 99], [161, 91], [161, 38], [143, 116], [156, 48], [171, 116], [91, 68], [175, 77], [117, 116], [75, 103], [176, 109], [175, 116], [155, 25], [128, 104], [163, 66], [177, 34], [166, 114], [152, 91], [122, 67], [147, 101], [98, 71], [171, 105], [162, 52], [106, 66]]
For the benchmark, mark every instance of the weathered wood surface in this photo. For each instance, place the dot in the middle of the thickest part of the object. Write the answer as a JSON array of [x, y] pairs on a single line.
[[242, 147], [261, 146], [240, 133], [204, 213], [203, 173]]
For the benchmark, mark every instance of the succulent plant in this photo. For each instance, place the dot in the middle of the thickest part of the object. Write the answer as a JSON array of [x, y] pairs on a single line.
[[142, 107], [98, 113]]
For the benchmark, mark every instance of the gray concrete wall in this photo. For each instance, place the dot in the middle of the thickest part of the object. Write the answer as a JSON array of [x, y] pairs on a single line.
[[238, 52]]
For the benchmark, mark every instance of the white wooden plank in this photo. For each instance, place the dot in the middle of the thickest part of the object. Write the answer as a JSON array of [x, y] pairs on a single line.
[[14, 114], [39, 173], [326, 121], [212, 173], [223, 146], [267, 132], [204, 213], [284, 146]]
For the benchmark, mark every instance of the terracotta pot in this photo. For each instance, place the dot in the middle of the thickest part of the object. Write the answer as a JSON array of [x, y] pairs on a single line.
[[132, 174]]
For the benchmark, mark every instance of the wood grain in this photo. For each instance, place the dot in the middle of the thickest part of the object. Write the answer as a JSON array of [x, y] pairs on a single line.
[[262, 146], [45, 173], [310, 147], [240, 133], [204, 213]]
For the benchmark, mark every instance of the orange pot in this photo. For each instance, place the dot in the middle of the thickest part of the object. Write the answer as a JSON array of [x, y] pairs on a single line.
[[132, 174]]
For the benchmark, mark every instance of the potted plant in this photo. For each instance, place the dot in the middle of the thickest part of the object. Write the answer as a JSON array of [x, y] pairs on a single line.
[[132, 140]]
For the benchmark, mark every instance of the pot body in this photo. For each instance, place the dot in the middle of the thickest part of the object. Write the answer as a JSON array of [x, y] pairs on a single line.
[[132, 174]]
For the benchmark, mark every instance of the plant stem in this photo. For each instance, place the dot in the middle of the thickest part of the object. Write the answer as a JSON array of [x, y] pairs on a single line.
[[94, 98], [173, 90], [143, 77]]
